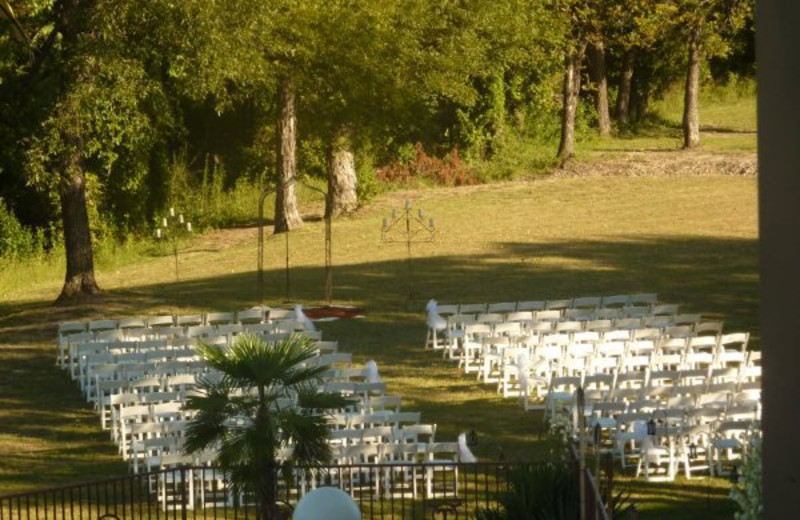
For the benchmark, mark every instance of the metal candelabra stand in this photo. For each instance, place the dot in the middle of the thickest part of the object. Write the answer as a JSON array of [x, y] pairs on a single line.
[[173, 229], [409, 228]]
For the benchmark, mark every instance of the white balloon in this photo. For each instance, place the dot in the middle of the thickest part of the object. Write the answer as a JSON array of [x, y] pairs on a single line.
[[327, 503]]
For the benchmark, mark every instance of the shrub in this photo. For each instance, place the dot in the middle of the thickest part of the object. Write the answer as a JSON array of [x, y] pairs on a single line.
[[747, 492], [16, 242], [548, 491], [450, 170]]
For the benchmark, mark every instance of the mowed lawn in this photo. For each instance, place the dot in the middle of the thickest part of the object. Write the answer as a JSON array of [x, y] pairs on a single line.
[[692, 240]]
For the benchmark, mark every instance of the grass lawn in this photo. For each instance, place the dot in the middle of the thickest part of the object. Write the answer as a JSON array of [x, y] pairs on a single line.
[[691, 239]]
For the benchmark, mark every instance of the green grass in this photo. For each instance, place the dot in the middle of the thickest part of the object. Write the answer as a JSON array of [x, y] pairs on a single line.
[[725, 108], [543, 239], [693, 240], [727, 125]]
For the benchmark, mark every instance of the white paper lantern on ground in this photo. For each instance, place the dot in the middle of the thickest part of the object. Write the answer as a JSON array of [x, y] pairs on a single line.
[[327, 503]]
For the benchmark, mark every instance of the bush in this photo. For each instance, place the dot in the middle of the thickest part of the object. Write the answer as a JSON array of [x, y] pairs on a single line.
[[206, 201], [748, 492], [367, 186], [16, 242], [447, 171], [548, 491]]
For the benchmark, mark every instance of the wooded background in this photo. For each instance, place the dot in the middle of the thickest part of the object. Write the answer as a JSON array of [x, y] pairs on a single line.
[[112, 111]]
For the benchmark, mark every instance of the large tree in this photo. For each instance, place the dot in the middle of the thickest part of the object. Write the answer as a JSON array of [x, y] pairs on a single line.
[[91, 92], [576, 20], [706, 26], [57, 158]]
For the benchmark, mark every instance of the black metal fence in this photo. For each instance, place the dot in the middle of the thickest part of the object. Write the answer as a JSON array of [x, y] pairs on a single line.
[[445, 491]]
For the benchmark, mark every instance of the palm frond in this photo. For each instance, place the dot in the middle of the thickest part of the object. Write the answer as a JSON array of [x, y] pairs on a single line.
[[308, 397], [309, 434]]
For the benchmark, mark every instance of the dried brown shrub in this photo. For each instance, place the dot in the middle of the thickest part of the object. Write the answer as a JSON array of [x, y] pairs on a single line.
[[449, 170]]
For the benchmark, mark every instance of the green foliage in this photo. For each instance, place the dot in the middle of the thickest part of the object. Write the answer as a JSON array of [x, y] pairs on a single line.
[[748, 492], [203, 194], [539, 492], [518, 157], [368, 186], [138, 93], [16, 242]]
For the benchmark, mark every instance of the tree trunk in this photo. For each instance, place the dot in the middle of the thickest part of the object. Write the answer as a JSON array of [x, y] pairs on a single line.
[[496, 114], [598, 60], [342, 180], [79, 284], [640, 101], [268, 492], [691, 116], [624, 91], [287, 216], [571, 89]]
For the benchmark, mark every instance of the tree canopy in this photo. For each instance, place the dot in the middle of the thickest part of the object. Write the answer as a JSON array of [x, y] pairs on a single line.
[[120, 107]]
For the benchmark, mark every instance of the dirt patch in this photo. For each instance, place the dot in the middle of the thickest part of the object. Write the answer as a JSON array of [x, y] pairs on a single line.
[[663, 163], [222, 239]]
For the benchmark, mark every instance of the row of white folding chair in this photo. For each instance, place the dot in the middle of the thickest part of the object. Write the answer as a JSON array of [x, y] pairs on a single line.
[[111, 404], [687, 421], [137, 422], [580, 319], [206, 487], [742, 383], [563, 303], [76, 352], [360, 420], [413, 433], [253, 315], [515, 334], [126, 373], [149, 389], [155, 349], [190, 328], [364, 459], [703, 446], [608, 356], [696, 403], [607, 329], [90, 358], [568, 357], [580, 359], [158, 359], [603, 385], [154, 417]]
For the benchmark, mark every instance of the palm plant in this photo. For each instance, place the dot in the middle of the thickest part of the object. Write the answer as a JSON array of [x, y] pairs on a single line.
[[243, 415]]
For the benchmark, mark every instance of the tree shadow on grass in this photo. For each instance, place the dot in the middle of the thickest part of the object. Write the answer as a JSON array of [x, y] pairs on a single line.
[[717, 277]]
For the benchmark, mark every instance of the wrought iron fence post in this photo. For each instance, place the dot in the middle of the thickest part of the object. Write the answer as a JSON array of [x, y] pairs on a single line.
[[184, 501]]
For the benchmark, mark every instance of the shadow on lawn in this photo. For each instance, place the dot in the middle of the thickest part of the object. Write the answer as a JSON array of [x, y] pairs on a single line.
[[717, 277]]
